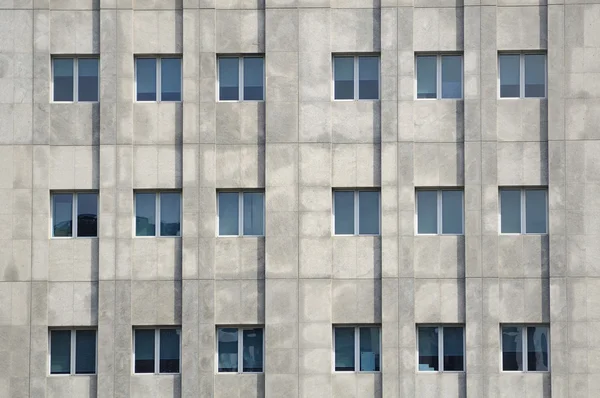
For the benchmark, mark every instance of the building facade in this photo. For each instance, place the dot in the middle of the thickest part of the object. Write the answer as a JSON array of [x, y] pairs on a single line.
[[299, 198]]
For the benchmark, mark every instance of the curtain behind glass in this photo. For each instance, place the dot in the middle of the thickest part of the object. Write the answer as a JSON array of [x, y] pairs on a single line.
[[228, 349], [170, 214], [343, 72], [537, 348], [169, 351], [451, 76], [85, 352], [535, 75], [145, 69], [87, 86], [145, 217], [453, 348], [144, 351], [63, 79], [344, 349], [254, 213], [427, 212], [170, 79], [229, 70], [368, 77], [60, 352], [253, 78], [428, 349], [369, 349], [62, 215], [510, 76], [426, 76], [512, 348], [252, 350]]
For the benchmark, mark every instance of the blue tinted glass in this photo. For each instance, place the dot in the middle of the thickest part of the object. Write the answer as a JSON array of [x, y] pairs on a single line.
[[368, 212], [229, 213], [537, 348], [60, 352], [227, 349], [144, 351], [370, 354], [145, 217], [510, 76], [253, 78], [146, 79], [344, 212], [170, 79], [510, 211], [426, 76], [344, 349], [452, 212], [451, 76], [427, 212], [254, 213], [454, 349], [87, 89], [344, 77], [428, 349], [512, 348], [535, 75], [229, 74], [535, 211], [85, 352], [169, 351], [62, 214], [170, 214], [87, 214], [63, 79], [368, 77], [253, 350]]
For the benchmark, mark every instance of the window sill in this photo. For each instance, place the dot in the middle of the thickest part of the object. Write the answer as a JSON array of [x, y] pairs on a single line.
[[156, 374], [354, 100], [238, 101], [356, 235], [355, 372], [156, 236], [73, 374], [240, 236]]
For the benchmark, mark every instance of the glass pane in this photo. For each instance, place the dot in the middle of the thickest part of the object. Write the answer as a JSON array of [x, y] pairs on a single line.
[[170, 79], [170, 214], [343, 73], [169, 351], [451, 76], [253, 78], [63, 79], [144, 351], [145, 79], [368, 77], [344, 349], [253, 350], [228, 349], [229, 211], [510, 76], [535, 211], [428, 349], [510, 211], [512, 348], [229, 73], [87, 89], [427, 76], [537, 348], [452, 212], [62, 214], [343, 210], [87, 214], [254, 213], [454, 349], [427, 212], [369, 349], [85, 351], [145, 208], [60, 352], [368, 212], [535, 75]]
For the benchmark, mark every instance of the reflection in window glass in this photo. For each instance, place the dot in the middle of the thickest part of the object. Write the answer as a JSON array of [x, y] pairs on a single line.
[[453, 348], [344, 212], [368, 212], [170, 214], [229, 213], [452, 212], [344, 77], [427, 212], [253, 213], [535, 211], [537, 348], [144, 351], [169, 351], [253, 78], [60, 352], [510, 211], [229, 74], [510, 75], [145, 209], [428, 349], [228, 349], [87, 214], [85, 352], [63, 79], [535, 75], [344, 349], [368, 77], [512, 348], [426, 76], [62, 215], [87, 89], [451, 76], [369, 349], [170, 79], [252, 340], [146, 79]]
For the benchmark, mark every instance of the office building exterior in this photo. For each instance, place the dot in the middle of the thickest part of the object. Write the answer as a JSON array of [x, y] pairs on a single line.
[[299, 198]]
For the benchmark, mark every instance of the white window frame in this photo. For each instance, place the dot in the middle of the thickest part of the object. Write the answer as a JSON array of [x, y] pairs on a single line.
[[356, 211], [438, 83], [241, 213], [74, 208], [441, 348], [158, 59], [439, 210], [523, 211], [524, 347], [157, 216], [356, 76], [156, 349], [75, 78], [240, 332], [522, 55], [73, 356], [241, 60], [356, 348]]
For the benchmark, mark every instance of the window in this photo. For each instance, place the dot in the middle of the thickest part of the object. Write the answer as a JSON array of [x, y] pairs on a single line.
[[66, 207], [240, 350], [357, 348], [75, 79], [439, 76], [162, 206], [161, 343], [356, 212], [441, 348], [525, 348], [72, 351], [247, 69], [158, 78], [522, 75], [440, 212], [249, 204], [356, 77], [523, 211]]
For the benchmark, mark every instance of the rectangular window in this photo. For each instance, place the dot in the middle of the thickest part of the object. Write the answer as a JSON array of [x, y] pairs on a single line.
[[357, 348], [72, 351], [441, 348], [241, 213], [80, 206], [523, 211], [522, 75], [240, 350], [440, 212], [525, 348], [356, 212], [439, 76], [161, 343], [249, 70], [356, 77], [158, 79], [75, 79], [162, 206]]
